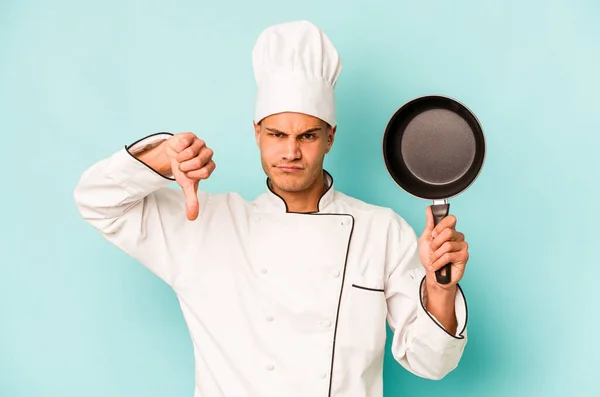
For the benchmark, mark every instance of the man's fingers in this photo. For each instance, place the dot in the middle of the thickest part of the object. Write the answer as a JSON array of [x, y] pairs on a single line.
[[202, 173], [191, 161], [192, 207], [448, 222], [448, 246], [183, 141], [191, 151], [442, 237], [196, 163], [449, 257]]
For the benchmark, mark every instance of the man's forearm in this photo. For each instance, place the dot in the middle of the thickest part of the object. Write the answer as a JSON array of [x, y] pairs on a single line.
[[440, 303]]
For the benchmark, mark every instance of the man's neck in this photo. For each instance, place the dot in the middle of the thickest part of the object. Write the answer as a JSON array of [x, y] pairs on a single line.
[[307, 200]]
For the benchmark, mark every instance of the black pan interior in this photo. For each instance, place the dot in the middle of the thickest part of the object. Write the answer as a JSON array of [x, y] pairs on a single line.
[[433, 147]]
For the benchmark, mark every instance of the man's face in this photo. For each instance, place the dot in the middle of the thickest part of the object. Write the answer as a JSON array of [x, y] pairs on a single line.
[[292, 148]]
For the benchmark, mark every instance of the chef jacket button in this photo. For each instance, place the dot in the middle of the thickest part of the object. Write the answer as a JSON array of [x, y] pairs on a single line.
[[327, 323], [335, 274], [345, 222], [256, 218], [270, 367], [269, 318], [263, 271], [323, 375]]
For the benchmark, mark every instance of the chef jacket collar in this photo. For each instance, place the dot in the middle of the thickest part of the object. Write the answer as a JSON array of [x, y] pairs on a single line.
[[327, 198]]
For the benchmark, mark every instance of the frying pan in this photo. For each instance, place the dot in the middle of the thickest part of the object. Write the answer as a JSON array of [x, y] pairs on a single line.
[[434, 149]]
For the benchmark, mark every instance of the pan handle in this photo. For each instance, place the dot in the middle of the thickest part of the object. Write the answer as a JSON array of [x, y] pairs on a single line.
[[440, 211]]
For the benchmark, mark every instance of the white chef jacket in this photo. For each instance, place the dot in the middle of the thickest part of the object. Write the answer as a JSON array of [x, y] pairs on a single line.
[[277, 303]]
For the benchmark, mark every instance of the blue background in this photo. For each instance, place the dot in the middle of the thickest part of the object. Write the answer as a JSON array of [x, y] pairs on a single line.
[[78, 80]]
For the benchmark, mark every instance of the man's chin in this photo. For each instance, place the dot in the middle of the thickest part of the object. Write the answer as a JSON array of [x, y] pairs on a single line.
[[288, 187], [288, 183]]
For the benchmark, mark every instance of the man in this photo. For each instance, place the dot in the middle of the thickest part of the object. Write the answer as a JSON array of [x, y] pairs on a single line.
[[287, 295]]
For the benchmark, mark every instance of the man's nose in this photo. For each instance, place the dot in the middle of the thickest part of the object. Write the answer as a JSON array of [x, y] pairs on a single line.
[[292, 149]]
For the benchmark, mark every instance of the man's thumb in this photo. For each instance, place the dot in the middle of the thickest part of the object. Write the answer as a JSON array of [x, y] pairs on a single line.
[[429, 223], [192, 206]]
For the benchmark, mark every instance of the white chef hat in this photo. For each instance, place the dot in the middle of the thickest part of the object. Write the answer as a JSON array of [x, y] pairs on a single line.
[[296, 68]]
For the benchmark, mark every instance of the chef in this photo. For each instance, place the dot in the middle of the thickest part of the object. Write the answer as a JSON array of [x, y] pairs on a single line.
[[288, 294]]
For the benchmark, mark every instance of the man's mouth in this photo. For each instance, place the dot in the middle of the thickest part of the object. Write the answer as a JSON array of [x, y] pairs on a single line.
[[289, 168]]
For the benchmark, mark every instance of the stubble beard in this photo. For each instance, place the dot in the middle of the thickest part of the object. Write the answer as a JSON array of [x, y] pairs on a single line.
[[294, 182]]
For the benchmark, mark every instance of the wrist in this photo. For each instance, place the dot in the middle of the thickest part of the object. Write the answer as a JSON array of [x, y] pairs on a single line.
[[434, 288], [156, 158], [439, 301]]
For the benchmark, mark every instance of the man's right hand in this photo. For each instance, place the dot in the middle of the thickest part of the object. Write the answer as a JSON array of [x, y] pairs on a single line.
[[189, 160]]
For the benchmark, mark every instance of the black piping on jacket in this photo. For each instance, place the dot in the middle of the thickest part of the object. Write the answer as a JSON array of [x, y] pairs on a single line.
[[337, 315], [127, 147]]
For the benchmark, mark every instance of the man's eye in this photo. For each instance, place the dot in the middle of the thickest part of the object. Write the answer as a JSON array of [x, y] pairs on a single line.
[[276, 134], [309, 136]]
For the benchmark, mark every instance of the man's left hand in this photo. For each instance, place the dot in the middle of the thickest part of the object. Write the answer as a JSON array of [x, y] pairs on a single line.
[[441, 245]]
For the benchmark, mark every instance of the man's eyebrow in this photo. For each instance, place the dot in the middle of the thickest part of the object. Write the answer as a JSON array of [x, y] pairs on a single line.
[[276, 131]]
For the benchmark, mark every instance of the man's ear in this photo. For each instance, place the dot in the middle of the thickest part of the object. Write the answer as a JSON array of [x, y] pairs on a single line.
[[256, 132], [330, 137]]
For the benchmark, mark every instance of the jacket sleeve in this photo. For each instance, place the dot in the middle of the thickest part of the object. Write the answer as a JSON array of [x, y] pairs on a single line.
[[131, 206], [420, 343]]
